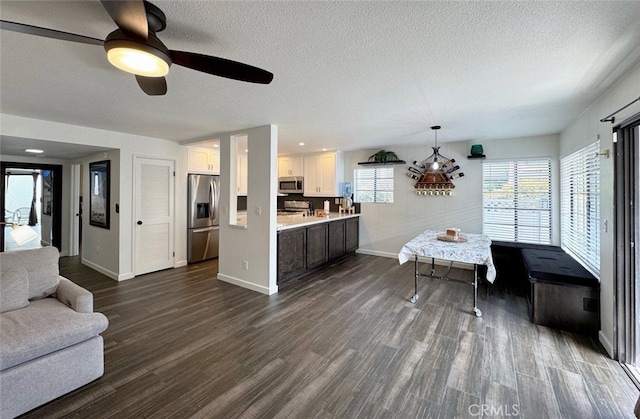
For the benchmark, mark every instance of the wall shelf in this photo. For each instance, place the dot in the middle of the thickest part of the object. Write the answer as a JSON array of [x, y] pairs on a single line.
[[376, 163], [477, 157]]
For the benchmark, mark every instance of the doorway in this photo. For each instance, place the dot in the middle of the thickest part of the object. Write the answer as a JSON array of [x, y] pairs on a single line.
[[45, 192]]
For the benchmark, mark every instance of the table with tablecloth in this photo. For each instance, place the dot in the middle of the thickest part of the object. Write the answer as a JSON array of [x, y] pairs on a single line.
[[475, 249]]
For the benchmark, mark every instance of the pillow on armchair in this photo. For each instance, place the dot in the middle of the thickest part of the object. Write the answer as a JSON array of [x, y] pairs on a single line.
[[14, 290], [42, 269]]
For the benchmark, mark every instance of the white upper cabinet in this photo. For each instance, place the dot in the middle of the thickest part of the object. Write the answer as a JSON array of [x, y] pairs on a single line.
[[203, 160], [290, 166], [323, 174]]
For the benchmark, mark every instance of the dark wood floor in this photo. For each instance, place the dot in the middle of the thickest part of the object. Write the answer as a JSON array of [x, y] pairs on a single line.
[[344, 343]]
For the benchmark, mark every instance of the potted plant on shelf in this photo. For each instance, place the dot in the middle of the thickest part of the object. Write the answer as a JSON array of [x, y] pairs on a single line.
[[383, 156]]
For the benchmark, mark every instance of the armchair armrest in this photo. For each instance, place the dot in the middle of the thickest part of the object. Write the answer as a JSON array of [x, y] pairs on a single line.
[[74, 296]]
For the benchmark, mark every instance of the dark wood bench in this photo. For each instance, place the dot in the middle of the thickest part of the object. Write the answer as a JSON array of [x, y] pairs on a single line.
[[561, 293]]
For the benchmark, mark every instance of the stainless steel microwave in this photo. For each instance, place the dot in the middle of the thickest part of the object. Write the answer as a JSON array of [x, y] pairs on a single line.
[[292, 184]]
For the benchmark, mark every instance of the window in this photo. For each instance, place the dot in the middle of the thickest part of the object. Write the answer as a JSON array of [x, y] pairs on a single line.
[[516, 200], [580, 206], [373, 185]]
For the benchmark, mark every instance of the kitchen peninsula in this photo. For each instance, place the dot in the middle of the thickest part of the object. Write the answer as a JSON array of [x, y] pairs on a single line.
[[306, 243]]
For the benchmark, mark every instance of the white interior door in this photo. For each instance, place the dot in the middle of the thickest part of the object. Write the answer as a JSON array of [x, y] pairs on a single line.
[[153, 223]]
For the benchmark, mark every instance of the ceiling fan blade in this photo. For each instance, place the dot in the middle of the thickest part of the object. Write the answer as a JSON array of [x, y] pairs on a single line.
[[48, 33], [129, 15], [153, 86], [221, 67]]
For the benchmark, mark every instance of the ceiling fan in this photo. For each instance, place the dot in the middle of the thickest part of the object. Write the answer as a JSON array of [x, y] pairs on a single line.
[[135, 48]]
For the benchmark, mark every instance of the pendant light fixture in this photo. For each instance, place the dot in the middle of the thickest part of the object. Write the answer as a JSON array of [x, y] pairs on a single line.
[[435, 165], [434, 174]]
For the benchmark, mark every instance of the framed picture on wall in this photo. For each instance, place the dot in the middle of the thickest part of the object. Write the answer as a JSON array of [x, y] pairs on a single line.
[[47, 191], [99, 183]]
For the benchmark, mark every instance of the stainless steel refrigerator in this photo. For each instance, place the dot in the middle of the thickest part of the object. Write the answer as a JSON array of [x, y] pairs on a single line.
[[203, 227]]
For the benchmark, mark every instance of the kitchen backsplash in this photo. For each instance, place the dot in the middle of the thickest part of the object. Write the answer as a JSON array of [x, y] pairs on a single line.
[[316, 202]]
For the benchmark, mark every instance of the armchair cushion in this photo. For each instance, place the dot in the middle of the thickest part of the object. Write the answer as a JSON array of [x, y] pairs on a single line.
[[43, 327], [42, 269], [14, 290]]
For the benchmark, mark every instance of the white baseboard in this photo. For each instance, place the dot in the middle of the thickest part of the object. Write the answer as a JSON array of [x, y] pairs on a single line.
[[179, 263], [377, 253], [605, 342], [248, 285], [106, 272], [439, 262]]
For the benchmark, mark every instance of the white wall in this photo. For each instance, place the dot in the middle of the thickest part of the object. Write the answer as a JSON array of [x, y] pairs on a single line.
[[384, 228], [581, 133], [118, 266], [256, 243], [99, 245]]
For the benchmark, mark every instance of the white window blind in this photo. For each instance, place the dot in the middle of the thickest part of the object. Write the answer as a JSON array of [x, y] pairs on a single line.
[[580, 206], [373, 184], [516, 200]]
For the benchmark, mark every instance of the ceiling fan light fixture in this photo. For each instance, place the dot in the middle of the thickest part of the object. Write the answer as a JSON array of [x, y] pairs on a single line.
[[137, 61], [150, 59]]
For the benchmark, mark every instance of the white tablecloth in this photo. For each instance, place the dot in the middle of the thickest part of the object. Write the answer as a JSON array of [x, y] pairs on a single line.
[[476, 250]]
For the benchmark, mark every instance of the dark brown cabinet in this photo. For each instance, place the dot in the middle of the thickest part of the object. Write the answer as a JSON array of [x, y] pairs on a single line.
[[317, 245], [336, 239], [304, 249], [292, 246], [351, 234]]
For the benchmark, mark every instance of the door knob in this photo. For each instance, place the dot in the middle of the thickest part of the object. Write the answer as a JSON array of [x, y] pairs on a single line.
[[139, 223]]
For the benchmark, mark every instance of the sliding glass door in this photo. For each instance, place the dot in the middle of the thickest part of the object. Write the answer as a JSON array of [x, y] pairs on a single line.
[[627, 255], [31, 212]]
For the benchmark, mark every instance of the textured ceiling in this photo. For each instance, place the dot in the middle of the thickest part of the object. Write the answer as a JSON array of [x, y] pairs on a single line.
[[348, 75]]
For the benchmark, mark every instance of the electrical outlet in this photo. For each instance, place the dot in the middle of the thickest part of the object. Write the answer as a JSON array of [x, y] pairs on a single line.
[[259, 210], [337, 201], [245, 265], [97, 250]]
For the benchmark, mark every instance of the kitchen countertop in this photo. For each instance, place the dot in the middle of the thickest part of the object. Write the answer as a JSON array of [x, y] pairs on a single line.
[[284, 223]]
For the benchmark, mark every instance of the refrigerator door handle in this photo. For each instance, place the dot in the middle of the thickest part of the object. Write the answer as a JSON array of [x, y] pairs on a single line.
[[213, 191]]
